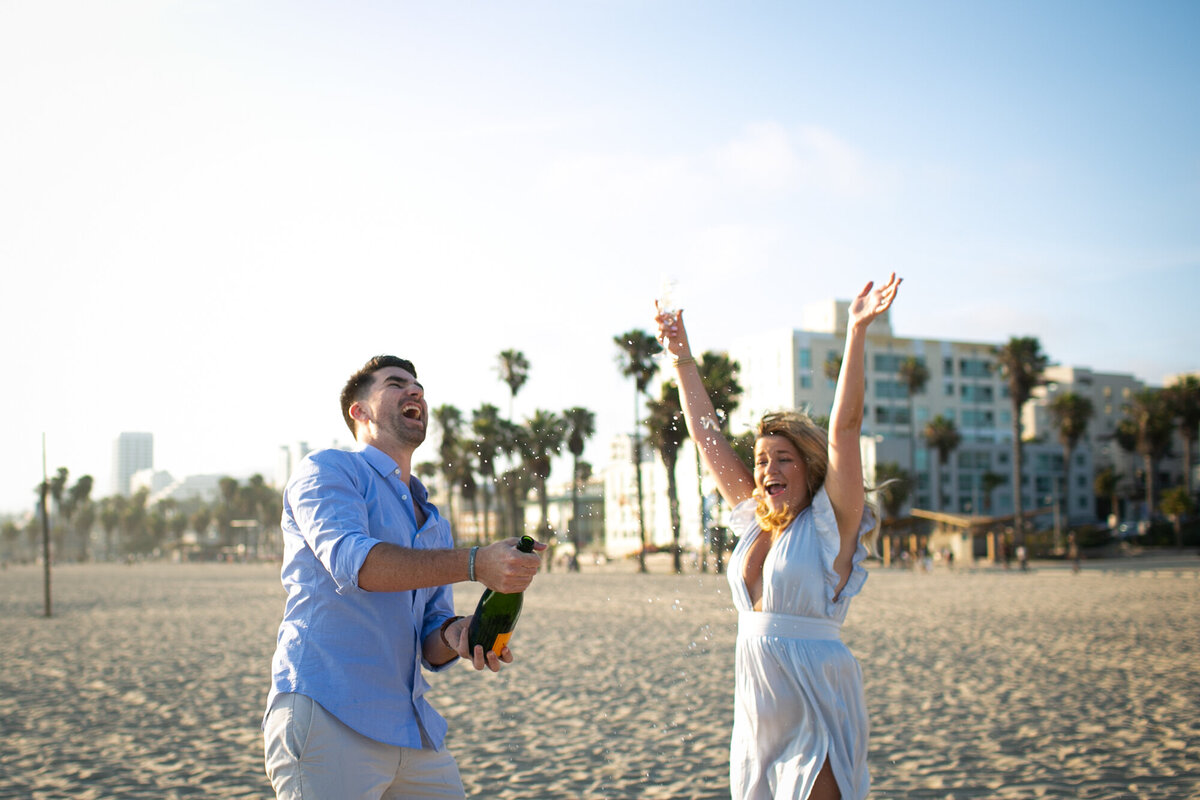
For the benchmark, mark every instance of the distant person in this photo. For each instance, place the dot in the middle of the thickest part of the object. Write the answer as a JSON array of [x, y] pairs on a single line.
[[367, 567], [1023, 557], [800, 715], [1073, 552]]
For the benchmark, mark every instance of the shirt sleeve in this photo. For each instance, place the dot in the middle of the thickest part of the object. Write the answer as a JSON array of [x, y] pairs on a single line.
[[440, 605], [825, 524], [330, 511]]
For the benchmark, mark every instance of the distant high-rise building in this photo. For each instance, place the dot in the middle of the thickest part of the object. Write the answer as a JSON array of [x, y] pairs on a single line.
[[290, 456], [131, 452]]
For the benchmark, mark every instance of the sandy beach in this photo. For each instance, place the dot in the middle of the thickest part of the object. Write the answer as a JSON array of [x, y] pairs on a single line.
[[149, 682]]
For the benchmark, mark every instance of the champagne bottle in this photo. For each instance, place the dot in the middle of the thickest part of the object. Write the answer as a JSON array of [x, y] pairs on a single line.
[[496, 614]]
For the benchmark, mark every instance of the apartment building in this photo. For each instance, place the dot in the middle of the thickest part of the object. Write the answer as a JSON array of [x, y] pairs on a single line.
[[132, 452]]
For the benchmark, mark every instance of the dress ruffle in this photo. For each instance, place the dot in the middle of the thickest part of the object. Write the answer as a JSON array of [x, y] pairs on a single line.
[[825, 524]]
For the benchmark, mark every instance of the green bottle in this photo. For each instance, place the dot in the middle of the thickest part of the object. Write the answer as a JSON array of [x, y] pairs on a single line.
[[496, 614]]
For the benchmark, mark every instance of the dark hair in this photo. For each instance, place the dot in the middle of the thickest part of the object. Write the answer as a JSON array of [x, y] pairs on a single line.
[[360, 382]]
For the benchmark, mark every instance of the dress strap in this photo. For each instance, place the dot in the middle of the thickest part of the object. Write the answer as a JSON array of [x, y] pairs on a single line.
[[787, 626]]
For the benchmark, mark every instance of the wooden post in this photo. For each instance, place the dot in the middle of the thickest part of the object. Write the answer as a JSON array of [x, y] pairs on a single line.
[[45, 531]]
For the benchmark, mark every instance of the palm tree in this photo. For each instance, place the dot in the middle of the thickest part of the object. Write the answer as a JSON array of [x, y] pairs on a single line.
[[833, 366], [57, 488], [179, 522], [667, 432], [894, 484], [540, 440], [636, 359], [9, 533], [200, 520], [1105, 485], [464, 480], [989, 482], [1146, 430], [1184, 400], [913, 375], [514, 371], [719, 374], [1177, 503], [79, 498], [449, 420], [134, 524], [581, 425], [942, 435], [263, 503], [1070, 413], [489, 434], [1022, 363]]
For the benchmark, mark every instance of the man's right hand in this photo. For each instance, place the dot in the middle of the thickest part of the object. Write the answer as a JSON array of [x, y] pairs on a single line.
[[501, 567]]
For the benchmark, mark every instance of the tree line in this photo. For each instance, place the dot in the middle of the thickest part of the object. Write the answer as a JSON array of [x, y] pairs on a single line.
[[83, 528]]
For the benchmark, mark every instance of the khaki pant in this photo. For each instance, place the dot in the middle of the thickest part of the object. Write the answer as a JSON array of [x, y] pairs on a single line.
[[312, 755]]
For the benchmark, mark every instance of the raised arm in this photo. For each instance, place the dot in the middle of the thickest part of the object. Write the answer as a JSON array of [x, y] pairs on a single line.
[[844, 480], [734, 480]]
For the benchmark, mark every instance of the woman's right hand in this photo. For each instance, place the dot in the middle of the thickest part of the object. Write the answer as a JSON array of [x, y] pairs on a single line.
[[671, 333]]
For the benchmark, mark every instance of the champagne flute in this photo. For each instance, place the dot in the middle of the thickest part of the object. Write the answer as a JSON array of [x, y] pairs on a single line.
[[668, 304]]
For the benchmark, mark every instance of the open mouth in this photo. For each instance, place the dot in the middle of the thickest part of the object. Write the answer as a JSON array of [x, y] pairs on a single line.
[[411, 411], [774, 489]]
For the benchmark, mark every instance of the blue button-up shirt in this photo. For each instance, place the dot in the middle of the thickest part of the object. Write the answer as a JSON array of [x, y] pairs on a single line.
[[355, 652]]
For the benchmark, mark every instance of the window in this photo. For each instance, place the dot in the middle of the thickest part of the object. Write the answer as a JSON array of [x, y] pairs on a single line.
[[891, 415], [975, 459], [894, 390], [887, 362], [1049, 462], [974, 418], [975, 367], [973, 393], [948, 366]]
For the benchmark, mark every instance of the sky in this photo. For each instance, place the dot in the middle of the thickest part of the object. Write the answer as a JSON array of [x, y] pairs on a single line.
[[211, 213]]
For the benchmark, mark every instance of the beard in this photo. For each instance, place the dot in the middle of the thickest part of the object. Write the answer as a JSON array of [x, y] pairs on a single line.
[[408, 431]]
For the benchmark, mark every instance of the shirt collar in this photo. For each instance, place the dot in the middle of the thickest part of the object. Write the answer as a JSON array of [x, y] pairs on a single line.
[[386, 466]]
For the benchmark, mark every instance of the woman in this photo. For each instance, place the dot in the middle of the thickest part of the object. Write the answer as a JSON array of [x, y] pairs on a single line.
[[800, 719]]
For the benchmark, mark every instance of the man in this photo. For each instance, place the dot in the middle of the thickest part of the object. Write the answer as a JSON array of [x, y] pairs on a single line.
[[367, 565]]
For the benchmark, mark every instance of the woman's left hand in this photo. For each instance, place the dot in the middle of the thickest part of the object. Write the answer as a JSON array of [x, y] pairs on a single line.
[[872, 301]]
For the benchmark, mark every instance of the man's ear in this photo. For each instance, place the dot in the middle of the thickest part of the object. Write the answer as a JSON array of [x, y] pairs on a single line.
[[358, 413]]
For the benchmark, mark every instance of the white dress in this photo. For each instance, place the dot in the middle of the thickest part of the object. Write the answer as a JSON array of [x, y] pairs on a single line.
[[799, 692]]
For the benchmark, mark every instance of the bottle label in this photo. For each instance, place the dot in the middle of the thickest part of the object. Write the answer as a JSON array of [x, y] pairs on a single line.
[[501, 641]]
